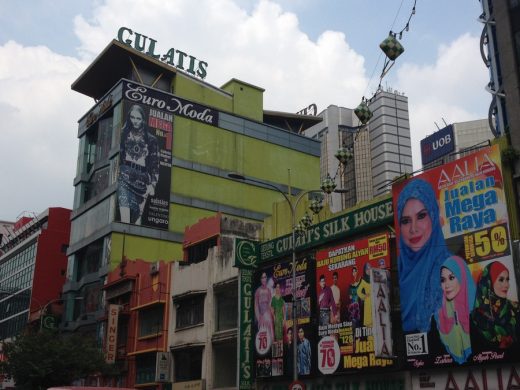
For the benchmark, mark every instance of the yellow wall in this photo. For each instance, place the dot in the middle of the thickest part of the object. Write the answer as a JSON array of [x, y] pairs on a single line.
[[147, 249], [248, 100], [230, 151], [512, 210]]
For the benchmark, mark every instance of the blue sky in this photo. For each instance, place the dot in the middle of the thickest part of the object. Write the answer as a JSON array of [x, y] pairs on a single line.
[[300, 51]]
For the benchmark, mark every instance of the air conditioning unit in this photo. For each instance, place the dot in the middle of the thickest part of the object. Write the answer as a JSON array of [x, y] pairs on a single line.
[[154, 268]]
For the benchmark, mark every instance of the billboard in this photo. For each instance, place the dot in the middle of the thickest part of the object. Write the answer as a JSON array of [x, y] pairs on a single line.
[[145, 157], [496, 377], [273, 320], [345, 300], [458, 293], [437, 145]]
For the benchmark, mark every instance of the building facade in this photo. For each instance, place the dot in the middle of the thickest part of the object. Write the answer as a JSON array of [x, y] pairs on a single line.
[[32, 269], [203, 335], [500, 49], [155, 152], [382, 149], [361, 337]]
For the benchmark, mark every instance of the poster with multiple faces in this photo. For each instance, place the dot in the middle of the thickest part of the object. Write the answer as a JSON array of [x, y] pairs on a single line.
[[273, 335], [143, 194], [458, 295], [345, 301]]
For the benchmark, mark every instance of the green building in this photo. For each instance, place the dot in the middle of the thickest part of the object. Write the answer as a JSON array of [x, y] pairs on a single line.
[[155, 152]]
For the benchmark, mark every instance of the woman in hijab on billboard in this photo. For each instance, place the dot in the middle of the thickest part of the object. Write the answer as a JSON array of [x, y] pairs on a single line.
[[139, 166], [495, 317], [363, 292], [458, 297], [422, 250]]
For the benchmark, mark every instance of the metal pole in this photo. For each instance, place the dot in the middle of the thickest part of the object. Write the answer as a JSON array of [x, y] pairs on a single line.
[[294, 317], [44, 309], [292, 206]]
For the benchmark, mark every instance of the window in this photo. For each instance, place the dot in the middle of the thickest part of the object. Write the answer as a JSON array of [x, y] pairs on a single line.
[[188, 364], [227, 308], [89, 259], [225, 363], [190, 311], [150, 320], [199, 251], [145, 368]]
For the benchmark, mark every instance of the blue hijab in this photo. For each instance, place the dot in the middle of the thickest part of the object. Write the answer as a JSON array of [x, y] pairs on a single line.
[[419, 272]]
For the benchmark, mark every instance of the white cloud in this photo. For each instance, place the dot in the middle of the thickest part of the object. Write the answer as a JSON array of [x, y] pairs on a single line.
[[452, 88], [264, 47], [39, 113]]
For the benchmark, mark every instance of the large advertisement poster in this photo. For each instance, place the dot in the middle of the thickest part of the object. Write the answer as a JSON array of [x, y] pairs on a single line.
[[459, 302], [273, 319], [344, 300], [143, 194]]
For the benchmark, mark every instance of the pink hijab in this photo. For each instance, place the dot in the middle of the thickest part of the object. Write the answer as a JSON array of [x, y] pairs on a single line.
[[463, 301]]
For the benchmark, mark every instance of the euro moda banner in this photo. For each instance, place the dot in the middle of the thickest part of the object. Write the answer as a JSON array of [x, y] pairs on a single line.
[[273, 319], [345, 302], [459, 301], [145, 157]]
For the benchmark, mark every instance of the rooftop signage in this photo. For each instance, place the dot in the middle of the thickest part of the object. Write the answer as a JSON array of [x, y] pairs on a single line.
[[437, 145], [173, 57]]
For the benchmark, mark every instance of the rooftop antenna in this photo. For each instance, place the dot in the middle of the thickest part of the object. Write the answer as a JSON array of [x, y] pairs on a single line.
[[444, 121], [436, 125]]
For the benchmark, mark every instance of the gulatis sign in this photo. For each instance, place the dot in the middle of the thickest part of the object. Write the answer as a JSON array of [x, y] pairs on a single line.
[[459, 301], [346, 279], [273, 331], [245, 370], [174, 57]]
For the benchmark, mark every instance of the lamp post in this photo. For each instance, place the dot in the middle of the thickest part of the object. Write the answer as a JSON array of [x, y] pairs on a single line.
[[43, 309], [293, 205]]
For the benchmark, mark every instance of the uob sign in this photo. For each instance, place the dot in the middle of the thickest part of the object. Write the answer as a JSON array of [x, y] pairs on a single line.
[[437, 145]]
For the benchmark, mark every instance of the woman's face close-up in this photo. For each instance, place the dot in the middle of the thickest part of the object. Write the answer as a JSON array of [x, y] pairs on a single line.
[[416, 224], [449, 283], [501, 284], [137, 119]]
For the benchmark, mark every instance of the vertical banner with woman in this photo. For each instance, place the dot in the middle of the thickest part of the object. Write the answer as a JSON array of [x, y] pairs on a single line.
[[459, 302], [273, 320], [344, 303], [144, 166]]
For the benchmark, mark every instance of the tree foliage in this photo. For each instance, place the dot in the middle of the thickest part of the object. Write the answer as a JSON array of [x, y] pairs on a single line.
[[45, 359]]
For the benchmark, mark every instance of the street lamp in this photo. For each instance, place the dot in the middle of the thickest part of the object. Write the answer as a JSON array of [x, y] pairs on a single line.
[[328, 186], [43, 309]]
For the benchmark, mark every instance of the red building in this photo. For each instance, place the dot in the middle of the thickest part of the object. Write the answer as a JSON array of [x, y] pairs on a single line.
[[33, 265], [137, 301]]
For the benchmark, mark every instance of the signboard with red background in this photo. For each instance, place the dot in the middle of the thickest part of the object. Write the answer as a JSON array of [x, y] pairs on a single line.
[[345, 340]]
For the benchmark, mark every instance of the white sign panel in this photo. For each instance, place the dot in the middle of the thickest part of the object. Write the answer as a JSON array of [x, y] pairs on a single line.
[[162, 365], [381, 326]]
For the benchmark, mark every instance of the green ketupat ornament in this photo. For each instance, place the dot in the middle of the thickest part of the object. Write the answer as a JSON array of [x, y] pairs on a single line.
[[391, 47]]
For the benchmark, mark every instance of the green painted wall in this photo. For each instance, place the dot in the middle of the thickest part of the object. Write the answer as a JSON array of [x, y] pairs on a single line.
[[242, 99], [208, 145], [147, 249], [248, 100], [198, 92]]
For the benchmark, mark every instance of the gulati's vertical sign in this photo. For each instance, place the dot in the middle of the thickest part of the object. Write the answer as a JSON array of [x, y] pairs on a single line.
[[111, 342], [173, 57], [245, 369], [246, 258]]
